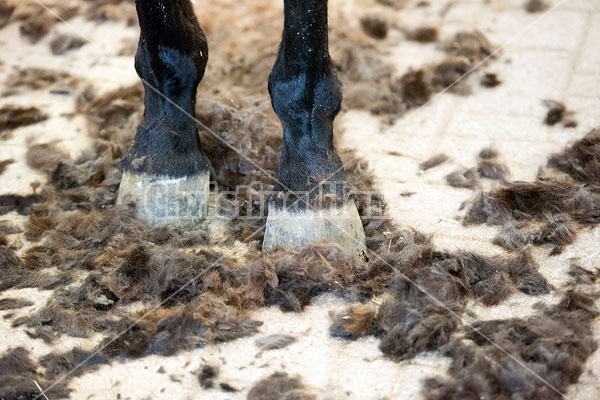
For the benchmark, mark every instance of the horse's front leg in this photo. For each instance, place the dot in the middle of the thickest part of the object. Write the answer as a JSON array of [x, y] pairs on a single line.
[[311, 203], [165, 172]]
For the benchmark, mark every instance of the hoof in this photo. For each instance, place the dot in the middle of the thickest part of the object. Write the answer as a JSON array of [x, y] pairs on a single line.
[[292, 229], [161, 200]]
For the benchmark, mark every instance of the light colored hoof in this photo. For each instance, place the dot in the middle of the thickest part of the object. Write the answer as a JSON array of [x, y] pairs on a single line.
[[293, 229], [162, 200]]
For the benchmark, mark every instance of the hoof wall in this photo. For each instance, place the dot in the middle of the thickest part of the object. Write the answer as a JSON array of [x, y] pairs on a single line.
[[292, 229], [161, 200]]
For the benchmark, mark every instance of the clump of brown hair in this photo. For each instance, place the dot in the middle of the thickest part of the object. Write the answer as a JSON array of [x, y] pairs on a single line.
[[18, 377], [423, 34], [428, 288], [375, 27], [488, 167], [550, 209], [463, 51], [535, 357], [557, 112], [581, 160], [536, 6], [490, 80], [62, 44], [12, 117], [280, 386], [27, 79]]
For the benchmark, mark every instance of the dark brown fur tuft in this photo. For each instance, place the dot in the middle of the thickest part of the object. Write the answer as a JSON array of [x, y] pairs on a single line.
[[14, 304], [279, 386], [12, 117]]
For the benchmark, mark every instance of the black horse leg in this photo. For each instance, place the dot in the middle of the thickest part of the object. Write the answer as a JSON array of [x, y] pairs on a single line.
[[306, 94], [165, 172]]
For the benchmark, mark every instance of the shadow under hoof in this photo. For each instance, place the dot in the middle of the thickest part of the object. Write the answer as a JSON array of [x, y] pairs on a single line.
[[293, 229], [162, 200]]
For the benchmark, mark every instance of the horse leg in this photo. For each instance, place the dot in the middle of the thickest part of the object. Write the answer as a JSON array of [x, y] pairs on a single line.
[[311, 202], [165, 172]]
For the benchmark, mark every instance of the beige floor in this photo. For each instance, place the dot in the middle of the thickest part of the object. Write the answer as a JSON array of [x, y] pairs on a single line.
[[541, 56]]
